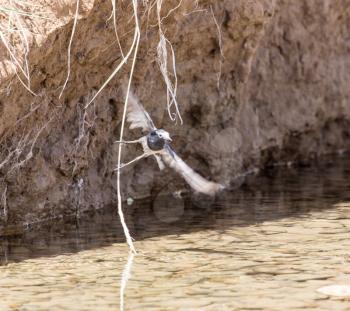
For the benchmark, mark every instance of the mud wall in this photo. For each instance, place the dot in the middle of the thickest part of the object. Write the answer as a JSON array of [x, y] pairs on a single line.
[[260, 82]]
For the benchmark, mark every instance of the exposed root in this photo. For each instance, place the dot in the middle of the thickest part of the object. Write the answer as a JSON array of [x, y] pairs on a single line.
[[163, 49], [15, 153], [219, 32], [31, 143], [26, 48], [13, 57], [171, 11], [13, 18], [22, 82], [122, 63], [21, 146], [220, 46], [27, 115], [70, 46], [162, 59], [114, 16], [4, 204], [120, 210], [196, 9], [86, 122], [78, 191]]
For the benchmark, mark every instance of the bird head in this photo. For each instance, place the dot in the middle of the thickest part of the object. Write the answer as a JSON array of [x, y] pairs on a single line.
[[164, 134]]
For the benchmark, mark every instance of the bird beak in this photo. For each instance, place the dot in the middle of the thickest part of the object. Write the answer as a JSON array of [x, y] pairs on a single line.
[[167, 137]]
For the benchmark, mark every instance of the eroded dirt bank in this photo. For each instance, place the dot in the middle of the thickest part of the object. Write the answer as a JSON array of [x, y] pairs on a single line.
[[259, 82]]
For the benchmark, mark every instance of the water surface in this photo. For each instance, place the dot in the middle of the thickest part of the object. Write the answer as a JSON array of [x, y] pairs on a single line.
[[266, 246]]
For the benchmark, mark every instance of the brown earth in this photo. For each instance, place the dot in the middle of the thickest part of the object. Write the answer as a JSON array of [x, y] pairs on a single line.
[[264, 82]]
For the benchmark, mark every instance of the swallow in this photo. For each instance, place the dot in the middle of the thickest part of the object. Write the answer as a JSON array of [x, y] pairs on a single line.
[[156, 142]]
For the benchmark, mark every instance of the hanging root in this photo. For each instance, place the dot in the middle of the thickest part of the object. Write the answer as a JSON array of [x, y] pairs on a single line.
[[120, 210], [70, 46], [86, 122], [222, 57], [114, 16], [23, 151], [163, 49], [22, 139], [134, 46], [19, 152], [14, 16], [4, 204], [162, 58]]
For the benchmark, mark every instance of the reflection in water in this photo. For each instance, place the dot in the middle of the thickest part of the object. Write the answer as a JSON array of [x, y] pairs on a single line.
[[125, 278], [268, 245]]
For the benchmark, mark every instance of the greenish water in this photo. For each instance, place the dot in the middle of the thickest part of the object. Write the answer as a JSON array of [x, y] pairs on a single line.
[[266, 246]]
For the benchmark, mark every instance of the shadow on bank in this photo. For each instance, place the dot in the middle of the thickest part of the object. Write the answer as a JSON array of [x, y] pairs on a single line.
[[277, 193]]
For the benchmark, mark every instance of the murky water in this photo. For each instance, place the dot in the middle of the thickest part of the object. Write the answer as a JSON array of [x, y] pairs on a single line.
[[267, 246]]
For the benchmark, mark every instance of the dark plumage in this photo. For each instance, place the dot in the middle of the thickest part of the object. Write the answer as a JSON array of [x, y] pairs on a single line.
[[154, 141]]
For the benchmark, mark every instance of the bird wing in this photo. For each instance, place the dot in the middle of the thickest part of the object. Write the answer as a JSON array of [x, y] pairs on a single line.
[[196, 181], [137, 115]]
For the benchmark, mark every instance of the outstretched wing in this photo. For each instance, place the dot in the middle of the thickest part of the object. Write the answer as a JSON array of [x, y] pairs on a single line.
[[137, 115], [196, 181]]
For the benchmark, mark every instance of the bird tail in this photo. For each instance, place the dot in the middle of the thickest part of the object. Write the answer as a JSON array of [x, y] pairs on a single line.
[[196, 181]]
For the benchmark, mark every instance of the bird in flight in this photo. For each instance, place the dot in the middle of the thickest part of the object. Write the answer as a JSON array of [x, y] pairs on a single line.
[[156, 142]]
